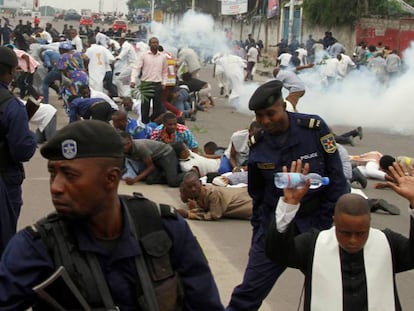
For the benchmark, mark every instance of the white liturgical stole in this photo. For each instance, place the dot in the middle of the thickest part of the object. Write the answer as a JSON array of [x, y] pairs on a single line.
[[327, 290]]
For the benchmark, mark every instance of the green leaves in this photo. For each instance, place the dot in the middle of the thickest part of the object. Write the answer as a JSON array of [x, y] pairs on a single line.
[[267, 62], [170, 6], [143, 91]]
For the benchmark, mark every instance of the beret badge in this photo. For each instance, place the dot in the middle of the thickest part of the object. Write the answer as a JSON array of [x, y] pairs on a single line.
[[69, 149]]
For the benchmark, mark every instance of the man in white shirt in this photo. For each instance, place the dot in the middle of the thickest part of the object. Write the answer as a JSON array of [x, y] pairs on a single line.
[[88, 92], [192, 161], [102, 39], [234, 67], [393, 64], [251, 56], [45, 122], [219, 74], [284, 59], [133, 105], [302, 55], [189, 58], [330, 71], [124, 62], [345, 63], [45, 35], [76, 40], [100, 60]]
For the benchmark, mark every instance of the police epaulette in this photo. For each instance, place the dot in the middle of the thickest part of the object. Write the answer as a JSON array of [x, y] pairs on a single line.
[[310, 123], [33, 231], [168, 211], [254, 139], [138, 195]]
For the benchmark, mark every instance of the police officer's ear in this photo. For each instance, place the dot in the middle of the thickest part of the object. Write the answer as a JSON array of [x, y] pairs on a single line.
[[114, 174]]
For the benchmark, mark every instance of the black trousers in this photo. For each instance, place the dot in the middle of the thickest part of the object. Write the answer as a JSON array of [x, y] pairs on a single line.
[[25, 84], [166, 171], [157, 106]]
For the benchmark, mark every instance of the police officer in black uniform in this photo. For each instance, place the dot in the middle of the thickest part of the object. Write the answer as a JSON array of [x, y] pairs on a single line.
[[286, 137], [122, 253], [17, 145]]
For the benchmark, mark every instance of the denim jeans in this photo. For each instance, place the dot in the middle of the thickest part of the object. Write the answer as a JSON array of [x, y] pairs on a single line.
[[53, 75]]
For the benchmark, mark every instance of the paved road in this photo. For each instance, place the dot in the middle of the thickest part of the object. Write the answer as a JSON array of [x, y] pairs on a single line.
[[226, 242]]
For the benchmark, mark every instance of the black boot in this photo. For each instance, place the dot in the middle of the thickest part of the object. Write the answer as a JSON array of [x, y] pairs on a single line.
[[360, 133], [350, 141], [359, 178]]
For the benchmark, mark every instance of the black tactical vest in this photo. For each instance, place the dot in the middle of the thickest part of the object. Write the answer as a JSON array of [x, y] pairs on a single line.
[[146, 217]]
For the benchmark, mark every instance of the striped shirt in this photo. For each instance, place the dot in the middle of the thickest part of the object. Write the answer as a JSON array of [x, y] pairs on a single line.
[[182, 134]]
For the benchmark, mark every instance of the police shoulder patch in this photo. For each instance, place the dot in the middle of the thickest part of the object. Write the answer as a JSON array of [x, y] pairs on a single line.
[[328, 143]]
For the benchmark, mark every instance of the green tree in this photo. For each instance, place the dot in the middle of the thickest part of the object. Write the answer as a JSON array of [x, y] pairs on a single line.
[[344, 12], [173, 6], [134, 4]]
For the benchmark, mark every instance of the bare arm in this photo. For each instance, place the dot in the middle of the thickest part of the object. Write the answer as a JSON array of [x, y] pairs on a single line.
[[149, 167], [233, 154]]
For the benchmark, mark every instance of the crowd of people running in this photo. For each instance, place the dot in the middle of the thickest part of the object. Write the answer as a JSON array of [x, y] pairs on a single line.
[[147, 92]]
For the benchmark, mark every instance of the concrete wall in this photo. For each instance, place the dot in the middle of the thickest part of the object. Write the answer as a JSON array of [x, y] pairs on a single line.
[[240, 29], [269, 30], [345, 35]]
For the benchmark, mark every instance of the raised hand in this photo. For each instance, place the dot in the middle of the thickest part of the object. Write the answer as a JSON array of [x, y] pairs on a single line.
[[403, 181]]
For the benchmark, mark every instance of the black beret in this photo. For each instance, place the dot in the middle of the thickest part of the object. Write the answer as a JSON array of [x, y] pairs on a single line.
[[84, 139], [266, 95], [8, 57]]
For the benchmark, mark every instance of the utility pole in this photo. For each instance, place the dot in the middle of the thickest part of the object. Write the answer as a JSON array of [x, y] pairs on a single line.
[[152, 10], [291, 17], [193, 5], [100, 6]]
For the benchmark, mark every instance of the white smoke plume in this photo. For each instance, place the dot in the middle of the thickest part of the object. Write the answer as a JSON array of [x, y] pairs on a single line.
[[358, 100], [194, 30], [361, 100]]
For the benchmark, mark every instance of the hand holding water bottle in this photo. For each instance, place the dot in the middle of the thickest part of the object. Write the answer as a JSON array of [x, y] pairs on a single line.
[[295, 195]]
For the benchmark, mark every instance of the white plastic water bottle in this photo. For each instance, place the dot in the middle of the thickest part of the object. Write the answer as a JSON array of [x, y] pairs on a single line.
[[298, 180]]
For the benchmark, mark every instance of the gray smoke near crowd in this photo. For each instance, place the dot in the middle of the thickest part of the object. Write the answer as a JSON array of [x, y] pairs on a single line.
[[358, 100], [361, 100], [194, 30]]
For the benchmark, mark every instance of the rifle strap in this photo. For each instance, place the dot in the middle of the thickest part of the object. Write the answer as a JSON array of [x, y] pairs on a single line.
[[142, 270], [101, 282]]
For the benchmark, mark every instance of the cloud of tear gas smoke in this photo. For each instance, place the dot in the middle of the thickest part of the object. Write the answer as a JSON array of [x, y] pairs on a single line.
[[361, 100], [358, 100], [194, 30], [199, 32]]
